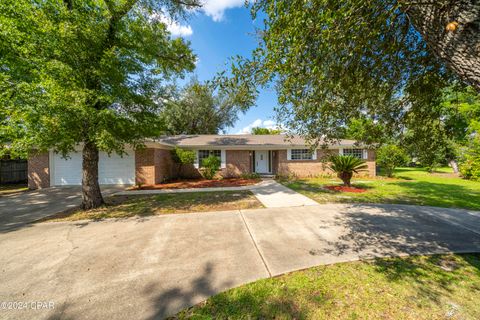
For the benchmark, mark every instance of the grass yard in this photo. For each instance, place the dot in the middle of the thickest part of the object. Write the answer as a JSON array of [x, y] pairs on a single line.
[[410, 186], [129, 206], [12, 188], [422, 287]]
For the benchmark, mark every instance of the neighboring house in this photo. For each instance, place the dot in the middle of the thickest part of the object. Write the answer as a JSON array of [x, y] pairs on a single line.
[[239, 154]]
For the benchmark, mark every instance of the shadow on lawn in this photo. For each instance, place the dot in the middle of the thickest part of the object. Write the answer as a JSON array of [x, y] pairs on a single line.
[[247, 304], [244, 304], [121, 207], [432, 276]]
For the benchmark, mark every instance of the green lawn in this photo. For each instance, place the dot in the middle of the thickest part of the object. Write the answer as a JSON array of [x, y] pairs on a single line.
[[129, 206], [410, 186], [423, 287]]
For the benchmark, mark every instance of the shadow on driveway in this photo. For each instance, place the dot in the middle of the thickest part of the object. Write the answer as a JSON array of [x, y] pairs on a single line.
[[19, 210]]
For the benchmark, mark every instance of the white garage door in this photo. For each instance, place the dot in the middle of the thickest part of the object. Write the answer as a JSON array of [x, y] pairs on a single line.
[[112, 169]]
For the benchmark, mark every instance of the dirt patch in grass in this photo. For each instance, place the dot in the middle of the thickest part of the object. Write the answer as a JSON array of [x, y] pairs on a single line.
[[345, 189], [199, 183], [147, 205]]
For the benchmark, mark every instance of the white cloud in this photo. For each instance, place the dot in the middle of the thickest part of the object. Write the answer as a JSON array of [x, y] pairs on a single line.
[[216, 8], [269, 124], [177, 29]]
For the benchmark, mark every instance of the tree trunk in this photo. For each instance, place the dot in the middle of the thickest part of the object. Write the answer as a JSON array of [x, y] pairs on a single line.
[[91, 194], [454, 165], [346, 178], [459, 46]]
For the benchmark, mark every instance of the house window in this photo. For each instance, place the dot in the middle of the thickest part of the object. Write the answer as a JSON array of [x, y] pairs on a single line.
[[202, 154], [301, 154], [353, 152]]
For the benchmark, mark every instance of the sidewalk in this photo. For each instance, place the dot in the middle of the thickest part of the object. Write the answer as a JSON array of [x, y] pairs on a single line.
[[274, 195], [269, 192]]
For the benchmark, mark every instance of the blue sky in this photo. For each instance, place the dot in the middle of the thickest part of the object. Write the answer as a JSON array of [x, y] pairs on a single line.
[[224, 28]]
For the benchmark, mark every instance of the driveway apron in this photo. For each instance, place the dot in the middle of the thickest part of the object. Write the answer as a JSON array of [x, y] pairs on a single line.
[[17, 210], [150, 268]]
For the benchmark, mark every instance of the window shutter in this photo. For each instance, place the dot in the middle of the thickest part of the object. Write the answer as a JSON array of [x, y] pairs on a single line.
[[289, 154], [314, 154], [365, 154], [196, 164], [340, 151], [223, 159]]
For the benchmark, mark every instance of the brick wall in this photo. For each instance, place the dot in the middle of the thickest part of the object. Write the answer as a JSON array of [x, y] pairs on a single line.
[[372, 164], [238, 163], [153, 166], [165, 168], [304, 168], [309, 168], [38, 170], [145, 166]]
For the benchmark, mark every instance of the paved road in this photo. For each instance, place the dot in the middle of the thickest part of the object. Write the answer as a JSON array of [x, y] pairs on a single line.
[[148, 268], [19, 209]]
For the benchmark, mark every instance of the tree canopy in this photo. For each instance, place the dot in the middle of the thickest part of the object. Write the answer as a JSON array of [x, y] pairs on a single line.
[[86, 71], [334, 61], [89, 73], [260, 130], [202, 108]]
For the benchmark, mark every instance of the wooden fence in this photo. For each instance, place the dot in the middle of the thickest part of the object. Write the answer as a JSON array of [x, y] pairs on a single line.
[[13, 171]]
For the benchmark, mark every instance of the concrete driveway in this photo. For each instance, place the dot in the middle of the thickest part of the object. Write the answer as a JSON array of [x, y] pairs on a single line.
[[150, 268], [19, 209]]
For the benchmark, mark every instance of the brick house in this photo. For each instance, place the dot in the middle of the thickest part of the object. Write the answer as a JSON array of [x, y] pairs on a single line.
[[239, 154]]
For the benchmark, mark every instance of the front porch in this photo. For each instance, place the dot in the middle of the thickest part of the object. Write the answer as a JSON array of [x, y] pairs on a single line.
[[264, 162]]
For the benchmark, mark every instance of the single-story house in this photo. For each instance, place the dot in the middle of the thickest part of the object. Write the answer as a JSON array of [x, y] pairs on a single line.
[[239, 154]]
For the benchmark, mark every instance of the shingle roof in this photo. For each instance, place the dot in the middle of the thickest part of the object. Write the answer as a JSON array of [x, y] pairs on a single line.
[[237, 140]]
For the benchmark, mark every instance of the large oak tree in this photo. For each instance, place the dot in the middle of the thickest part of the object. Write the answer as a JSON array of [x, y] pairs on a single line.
[[204, 108], [380, 60], [87, 73]]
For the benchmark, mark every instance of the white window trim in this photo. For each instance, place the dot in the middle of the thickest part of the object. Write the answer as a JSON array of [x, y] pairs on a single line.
[[51, 166], [196, 165], [223, 159], [364, 152], [289, 155]]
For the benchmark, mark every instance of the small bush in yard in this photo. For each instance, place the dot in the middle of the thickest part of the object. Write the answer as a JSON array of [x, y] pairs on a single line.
[[346, 166], [252, 175], [470, 161], [210, 167], [182, 157], [470, 169], [391, 156]]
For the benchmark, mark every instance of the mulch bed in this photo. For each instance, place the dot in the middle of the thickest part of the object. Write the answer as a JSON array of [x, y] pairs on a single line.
[[345, 189], [199, 183]]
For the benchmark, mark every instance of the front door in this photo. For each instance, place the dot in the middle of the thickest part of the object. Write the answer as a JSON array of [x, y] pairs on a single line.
[[261, 161]]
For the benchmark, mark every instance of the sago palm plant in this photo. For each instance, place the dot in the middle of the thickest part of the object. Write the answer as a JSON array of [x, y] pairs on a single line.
[[346, 166]]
